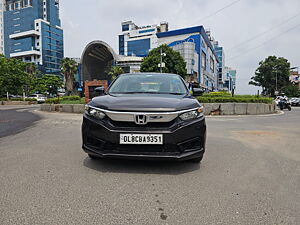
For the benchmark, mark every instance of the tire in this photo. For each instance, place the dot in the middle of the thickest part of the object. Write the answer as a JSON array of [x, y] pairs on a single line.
[[93, 157], [197, 160], [281, 108], [289, 108]]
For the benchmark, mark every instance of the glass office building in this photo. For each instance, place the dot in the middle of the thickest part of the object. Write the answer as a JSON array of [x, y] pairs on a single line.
[[33, 33], [193, 44], [221, 67]]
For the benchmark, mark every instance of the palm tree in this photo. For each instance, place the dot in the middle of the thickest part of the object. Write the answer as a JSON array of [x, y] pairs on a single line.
[[114, 72], [68, 69]]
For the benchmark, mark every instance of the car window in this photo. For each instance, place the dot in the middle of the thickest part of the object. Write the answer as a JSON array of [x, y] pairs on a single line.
[[149, 83]]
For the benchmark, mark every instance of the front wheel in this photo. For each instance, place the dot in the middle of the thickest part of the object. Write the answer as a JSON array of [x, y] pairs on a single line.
[[289, 107]]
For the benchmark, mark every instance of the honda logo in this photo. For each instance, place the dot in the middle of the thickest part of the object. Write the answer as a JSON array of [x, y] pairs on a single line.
[[141, 119]]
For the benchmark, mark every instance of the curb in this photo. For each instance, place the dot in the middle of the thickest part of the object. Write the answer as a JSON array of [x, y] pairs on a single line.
[[210, 109]]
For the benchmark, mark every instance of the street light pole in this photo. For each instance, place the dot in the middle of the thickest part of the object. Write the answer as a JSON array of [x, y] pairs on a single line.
[[161, 64], [161, 60], [276, 80]]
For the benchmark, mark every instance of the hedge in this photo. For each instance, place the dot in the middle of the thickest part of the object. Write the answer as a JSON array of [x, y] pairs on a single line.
[[74, 97], [234, 99], [53, 100], [63, 98], [217, 94]]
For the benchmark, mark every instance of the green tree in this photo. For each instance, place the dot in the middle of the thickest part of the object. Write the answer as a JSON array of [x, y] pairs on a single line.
[[48, 83], [174, 63], [68, 69], [13, 76], [114, 72], [291, 91], [272, 73]]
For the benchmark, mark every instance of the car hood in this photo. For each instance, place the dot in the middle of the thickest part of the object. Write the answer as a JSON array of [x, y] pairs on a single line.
[[145, 103]]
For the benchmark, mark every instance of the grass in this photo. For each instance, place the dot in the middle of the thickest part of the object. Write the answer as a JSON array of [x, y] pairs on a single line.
[[80, 101], [66, 100]]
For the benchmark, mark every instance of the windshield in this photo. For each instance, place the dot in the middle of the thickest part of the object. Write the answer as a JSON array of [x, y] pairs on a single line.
[[149, 84]]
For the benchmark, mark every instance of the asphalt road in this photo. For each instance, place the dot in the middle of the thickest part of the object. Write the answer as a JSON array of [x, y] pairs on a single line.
[[14, 119], [250, 175]]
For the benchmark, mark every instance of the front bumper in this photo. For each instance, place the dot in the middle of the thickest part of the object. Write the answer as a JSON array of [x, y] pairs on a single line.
[[181, 140]]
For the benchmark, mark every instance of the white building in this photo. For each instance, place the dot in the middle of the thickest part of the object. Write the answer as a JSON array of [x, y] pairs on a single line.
[[138, 41]]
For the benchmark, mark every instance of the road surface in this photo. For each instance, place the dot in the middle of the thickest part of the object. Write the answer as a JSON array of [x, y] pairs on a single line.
[[250, 175]]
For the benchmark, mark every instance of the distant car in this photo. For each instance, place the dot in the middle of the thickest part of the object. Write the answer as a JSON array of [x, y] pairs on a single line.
[[39, 98], [12, 96], [295, 101]]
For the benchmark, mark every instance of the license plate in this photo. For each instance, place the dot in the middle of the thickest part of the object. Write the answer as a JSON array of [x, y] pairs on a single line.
[[141, 139]]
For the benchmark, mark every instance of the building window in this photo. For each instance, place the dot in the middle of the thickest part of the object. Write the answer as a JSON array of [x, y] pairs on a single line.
[[138, 47], [203, 44], [146, 31], [125, 27], [203, 61], [212, 64], [121, 44]]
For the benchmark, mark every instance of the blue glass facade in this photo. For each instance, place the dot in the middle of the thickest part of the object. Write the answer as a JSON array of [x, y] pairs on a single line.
[[52, 48], [139, 47], [125, 27], [146, 31], [32, 33], [219, 52], [121, 45]]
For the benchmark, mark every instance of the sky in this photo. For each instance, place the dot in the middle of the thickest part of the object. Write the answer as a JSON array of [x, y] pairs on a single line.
[[273, 26]]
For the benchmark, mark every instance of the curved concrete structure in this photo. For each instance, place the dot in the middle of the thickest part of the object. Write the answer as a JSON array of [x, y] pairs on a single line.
[[96, 58]]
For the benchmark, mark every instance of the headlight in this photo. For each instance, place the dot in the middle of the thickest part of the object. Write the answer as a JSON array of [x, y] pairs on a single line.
[[194, 114], [98, 114]]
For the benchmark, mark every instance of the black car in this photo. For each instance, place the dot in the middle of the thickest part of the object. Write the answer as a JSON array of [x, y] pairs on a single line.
[[145, 116]]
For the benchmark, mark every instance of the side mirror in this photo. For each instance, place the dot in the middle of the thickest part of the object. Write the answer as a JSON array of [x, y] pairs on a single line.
[[197, 91], [99, 91]]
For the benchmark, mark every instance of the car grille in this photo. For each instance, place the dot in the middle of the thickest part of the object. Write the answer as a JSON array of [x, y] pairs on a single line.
[[148, 125], [141, 149]]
